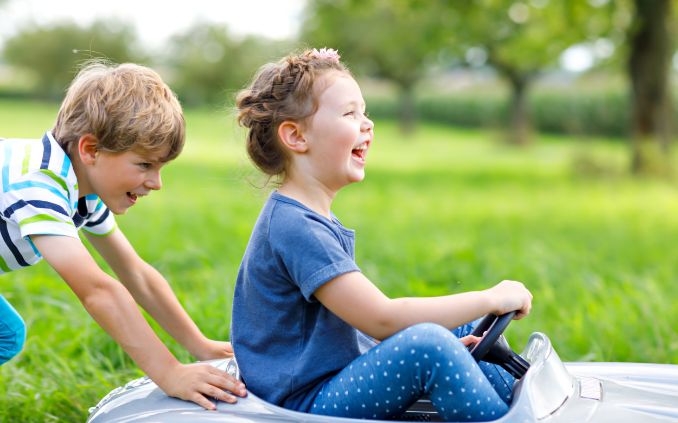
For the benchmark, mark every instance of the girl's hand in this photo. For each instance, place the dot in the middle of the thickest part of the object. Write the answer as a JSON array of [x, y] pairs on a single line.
[[210, 349], [470, 340], [198, 382], [510, 295]]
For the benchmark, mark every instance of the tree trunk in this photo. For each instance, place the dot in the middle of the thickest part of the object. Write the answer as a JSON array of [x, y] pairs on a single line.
[[520, 125], [649, 65], [407, 108]]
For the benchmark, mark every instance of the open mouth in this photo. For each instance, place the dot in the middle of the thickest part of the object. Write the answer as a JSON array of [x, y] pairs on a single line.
[[132, 197], [360, 152]]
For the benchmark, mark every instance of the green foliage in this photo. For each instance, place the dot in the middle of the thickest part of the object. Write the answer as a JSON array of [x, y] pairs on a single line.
[[209, 63], [575, 113], [444, 211], [527, 37], [401, 41], [51, 54], [523, 39], [397, 41], [391, 40], [598, 113]]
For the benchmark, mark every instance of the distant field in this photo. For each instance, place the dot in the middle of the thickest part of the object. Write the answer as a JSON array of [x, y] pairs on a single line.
[[443, 211]]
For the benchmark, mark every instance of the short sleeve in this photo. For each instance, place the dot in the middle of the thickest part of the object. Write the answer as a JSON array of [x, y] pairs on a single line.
[[101, 222], [39, 204], [311, 250]]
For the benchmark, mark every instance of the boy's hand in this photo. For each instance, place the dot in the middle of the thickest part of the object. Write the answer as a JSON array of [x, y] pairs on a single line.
[[211, 349], [201, 382]]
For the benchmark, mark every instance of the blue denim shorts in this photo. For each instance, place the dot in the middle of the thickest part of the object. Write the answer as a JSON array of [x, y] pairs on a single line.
[[12, 331]]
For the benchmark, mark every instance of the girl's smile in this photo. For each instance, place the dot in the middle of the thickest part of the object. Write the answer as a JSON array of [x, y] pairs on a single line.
[[338, 135], [360, 152]]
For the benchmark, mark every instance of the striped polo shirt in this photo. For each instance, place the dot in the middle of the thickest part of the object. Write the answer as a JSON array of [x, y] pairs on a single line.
[[40, 197]]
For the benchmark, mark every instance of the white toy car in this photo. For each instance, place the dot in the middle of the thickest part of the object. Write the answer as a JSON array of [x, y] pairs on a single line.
[[549, 391]]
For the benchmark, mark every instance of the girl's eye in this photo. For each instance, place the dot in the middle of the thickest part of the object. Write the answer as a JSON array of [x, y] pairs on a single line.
[[145, 166], [351, 113]]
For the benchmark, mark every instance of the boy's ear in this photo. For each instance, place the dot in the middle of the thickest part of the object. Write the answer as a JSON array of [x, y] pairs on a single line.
[[292, 137], [87, 148]]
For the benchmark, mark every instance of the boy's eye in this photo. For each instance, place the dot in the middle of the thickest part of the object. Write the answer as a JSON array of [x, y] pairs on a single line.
[[366, 113], [351, 113], [144, 165]]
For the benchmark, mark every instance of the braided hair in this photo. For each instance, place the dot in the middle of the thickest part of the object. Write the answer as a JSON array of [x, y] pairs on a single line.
[[280, 92]]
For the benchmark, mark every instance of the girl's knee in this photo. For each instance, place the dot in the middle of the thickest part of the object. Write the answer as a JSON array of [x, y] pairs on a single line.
[[428, 330], [431, 337], [12, 338]]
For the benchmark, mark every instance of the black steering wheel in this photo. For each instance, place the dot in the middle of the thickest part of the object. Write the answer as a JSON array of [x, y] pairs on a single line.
[[494, 326], [493, 348]]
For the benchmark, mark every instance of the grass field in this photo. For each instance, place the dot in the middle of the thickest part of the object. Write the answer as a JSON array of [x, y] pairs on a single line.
[[443, 211]]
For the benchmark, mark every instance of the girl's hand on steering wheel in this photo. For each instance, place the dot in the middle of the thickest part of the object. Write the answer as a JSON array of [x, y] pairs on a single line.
[[470, 340]]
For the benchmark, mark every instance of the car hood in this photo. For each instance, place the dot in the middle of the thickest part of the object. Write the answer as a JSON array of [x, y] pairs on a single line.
[[629, 392], [550, 392]]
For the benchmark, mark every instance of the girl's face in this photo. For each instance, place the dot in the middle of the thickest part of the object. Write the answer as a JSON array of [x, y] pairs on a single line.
[[339, 134]]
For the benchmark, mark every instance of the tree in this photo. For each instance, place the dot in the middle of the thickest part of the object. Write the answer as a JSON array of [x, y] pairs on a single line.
[[208, 62], [649, 63], [52, 53], [396, 41], [521, 39]]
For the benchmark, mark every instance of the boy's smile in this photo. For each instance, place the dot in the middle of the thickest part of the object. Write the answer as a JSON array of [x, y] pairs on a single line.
[[125, 177], [133, 197], [121, 179]]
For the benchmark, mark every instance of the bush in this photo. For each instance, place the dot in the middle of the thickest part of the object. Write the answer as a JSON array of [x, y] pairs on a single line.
[[578, 113], [602, 113]]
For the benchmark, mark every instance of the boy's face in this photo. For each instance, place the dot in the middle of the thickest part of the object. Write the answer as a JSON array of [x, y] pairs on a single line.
[[120, 179]]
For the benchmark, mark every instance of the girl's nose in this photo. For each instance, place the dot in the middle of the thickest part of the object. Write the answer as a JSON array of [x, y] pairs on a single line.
[[367, 125]]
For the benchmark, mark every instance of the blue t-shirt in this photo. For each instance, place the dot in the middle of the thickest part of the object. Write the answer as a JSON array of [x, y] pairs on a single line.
[[286, 342]]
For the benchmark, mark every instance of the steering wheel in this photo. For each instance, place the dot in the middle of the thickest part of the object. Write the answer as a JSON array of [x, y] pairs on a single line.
[[494, 326]]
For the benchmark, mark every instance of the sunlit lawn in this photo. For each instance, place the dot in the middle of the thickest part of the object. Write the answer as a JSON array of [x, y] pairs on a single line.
[[445, 210]]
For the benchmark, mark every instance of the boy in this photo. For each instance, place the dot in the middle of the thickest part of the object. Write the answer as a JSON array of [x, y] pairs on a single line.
[[116, 128]]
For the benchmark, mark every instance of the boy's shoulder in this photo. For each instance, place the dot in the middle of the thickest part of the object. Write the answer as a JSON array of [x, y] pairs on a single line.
[[36, 167]]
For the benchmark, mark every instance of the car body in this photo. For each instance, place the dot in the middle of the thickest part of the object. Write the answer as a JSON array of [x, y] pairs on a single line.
[[550, 392]]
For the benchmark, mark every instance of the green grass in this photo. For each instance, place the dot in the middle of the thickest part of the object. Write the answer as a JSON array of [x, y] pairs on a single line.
[[443, 211]]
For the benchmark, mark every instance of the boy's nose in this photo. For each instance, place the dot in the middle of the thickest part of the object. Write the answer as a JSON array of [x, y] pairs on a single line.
[[154, 181]]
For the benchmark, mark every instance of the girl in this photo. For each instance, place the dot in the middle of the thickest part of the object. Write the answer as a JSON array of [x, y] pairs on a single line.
[[300, 296]]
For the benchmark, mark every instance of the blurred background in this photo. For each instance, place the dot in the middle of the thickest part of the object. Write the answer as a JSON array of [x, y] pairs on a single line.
[[531, 140], [582, 67]]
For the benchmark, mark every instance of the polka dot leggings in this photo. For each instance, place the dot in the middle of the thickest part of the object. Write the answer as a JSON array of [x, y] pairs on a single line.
[[425, 359]]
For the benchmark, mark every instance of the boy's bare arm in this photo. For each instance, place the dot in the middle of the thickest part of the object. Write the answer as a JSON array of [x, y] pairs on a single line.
[[152, 291], [114, 309]]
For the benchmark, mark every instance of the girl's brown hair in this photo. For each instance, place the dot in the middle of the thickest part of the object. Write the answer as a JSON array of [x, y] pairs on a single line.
[[280, 92]]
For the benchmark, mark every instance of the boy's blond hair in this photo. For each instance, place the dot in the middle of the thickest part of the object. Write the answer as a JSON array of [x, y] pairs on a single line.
[[125, 107]]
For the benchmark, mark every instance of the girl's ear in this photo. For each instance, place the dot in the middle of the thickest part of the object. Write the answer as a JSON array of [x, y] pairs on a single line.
[[87, 148], [291, 135]]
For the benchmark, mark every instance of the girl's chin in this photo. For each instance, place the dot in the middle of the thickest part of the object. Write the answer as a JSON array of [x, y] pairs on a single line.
[[358, 176]]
